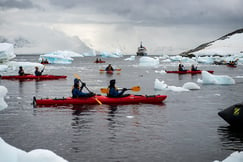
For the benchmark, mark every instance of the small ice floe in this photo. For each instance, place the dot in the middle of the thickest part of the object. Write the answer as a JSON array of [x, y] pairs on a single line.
[[12, 154], [130, 117], [208, 78], [161, 85], [191, 86], [160, 72], [3, 92]]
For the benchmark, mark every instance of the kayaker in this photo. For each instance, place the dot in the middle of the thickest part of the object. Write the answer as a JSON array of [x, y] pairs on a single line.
[[113, 91], [181, 67], [109, 68], [193, 68], [37, 72], [21, 71], [77, 90]]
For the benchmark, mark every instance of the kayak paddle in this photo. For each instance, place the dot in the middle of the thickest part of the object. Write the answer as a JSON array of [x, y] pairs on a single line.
[[135, 89], [78, 77]]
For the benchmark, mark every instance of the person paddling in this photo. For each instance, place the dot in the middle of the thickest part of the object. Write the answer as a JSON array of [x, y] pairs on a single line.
[[193, 68], [21, 71], [37, 72], [109, 68], [77, 90], [113, 91], [181, 67]]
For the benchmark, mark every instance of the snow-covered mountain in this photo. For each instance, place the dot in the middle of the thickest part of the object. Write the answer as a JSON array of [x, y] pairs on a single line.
[[229, 44], [26, 45]]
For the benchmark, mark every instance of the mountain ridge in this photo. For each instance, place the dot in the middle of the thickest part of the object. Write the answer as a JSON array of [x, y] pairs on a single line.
[[190, 53]]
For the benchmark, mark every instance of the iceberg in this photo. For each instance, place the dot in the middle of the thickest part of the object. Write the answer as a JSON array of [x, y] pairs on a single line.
[[12, 154], [148, 61], [131, 58], [59, 57], [208, 78], [161, 85], [6, 52], [3, 104], [3, 67]]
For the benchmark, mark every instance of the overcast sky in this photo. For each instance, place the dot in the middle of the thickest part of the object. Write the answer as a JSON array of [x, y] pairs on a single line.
[[164, 26]]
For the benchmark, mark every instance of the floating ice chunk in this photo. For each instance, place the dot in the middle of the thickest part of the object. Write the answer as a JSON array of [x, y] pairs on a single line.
[[160, 72], [148, 61], [191, 86], [132, 58], [160, 85], [130, 117], [12, 154], [208, 78], [6, 52], [234, 157], [3, 104]]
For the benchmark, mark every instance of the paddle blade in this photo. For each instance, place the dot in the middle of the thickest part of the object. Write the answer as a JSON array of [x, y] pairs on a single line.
[[136, 88], [104, 90], [99, 102], [76, 76]]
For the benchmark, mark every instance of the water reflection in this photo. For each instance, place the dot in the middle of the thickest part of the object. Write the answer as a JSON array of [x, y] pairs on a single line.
[[231, 138]]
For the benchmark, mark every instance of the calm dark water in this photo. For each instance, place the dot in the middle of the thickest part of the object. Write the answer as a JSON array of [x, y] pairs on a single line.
[[185, 128]]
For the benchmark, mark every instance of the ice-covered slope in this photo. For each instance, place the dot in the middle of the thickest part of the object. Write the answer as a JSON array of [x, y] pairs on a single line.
[[229, 44]]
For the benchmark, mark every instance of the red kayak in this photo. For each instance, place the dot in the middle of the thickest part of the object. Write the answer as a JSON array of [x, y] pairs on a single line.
[[231, 65], [109, 71], [188, 72], [99, 99], [99, 61], [27, 77]]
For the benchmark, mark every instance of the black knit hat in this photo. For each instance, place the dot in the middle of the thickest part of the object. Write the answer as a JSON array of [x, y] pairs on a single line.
[[113, 81]]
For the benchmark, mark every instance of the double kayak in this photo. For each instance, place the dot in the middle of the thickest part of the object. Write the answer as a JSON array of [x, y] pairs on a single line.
[[189, 72], [30, 76], [233, 115], [99, 61], [100, 99], [110, 71]]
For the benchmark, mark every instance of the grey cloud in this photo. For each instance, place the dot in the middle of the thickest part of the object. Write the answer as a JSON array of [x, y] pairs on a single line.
[[161, 12], [21, 4]]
